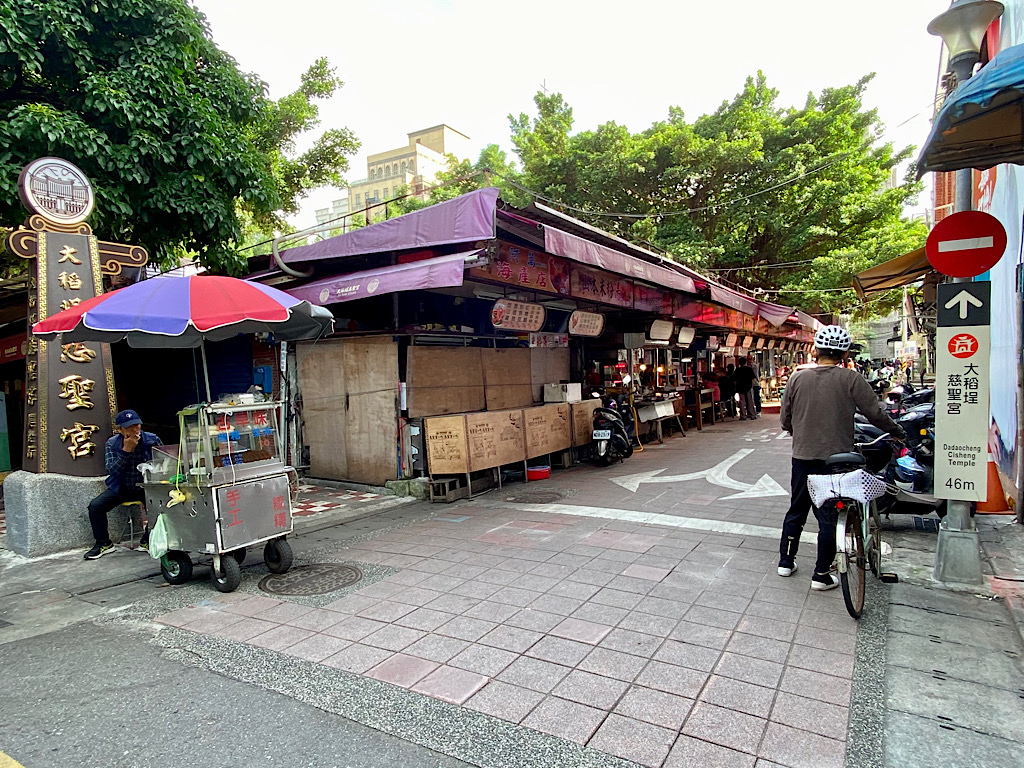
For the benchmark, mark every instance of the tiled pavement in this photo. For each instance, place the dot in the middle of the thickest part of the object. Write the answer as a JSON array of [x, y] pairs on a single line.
[[313, 499], [662, 644]]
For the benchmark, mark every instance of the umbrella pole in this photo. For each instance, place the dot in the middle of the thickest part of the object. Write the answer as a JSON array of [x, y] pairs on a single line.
[[206, 371]]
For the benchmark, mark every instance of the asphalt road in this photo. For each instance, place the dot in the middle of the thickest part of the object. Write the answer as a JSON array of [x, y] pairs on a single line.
[[94, 695]]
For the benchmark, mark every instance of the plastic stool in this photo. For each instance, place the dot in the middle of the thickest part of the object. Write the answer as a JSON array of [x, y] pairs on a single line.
[[131, 522]]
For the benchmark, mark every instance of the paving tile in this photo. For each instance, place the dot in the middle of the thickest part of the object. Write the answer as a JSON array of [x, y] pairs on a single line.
[[317, 647], [565, 719], [670, 678], [592, 577], [659, 606], [634, 740], [466, 628], [778, 612], [600, 614], [781, 596], [425, 619], [534, 582], [535, 674], [514, 596], [759, 647], [657, 707], [701, 634], [212, 621], [183, 616], [464, 571], [800, 749], [714, 597], [437, 648], [416, 596], [834, 622], [402, 669], [452, 603], [827, 688], [357, 658], [841, 642], [511, 638], [538, 621], [450, 684], [647, 572], [280, 637], [750, 670], [497, 576], [245, 629], [698, 614], [817, 660], [351, 604], [688, 655], [770, 628], [386, 611], [622, 666], [582, 631], [629, 584], [590, 689], [441, 582], [689, 752], [735, 694], [508, 702], [284, 613], [483, 659], [616, 598], [811, 715], [628, 641], [725, 727], [560, 651], [561, 606], [392, 638], [353, 628], [382, 590], [317, 620], [251, 606], [634, 542]]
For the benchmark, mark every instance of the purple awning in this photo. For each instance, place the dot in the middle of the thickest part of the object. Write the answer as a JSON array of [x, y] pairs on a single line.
[[808, 322], [465, 219], [587, 252], [440, 272], [776, 314]]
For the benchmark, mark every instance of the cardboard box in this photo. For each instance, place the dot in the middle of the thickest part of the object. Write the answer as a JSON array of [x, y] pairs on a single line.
[[447, 449], [495, 438], [563, 393], [548, 429]]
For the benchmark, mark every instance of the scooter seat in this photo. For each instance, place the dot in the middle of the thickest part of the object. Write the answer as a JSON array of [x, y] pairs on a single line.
[[845, 459]]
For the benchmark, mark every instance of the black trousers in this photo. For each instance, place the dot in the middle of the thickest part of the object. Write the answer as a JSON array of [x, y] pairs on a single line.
[[796, 518], [105, 502]]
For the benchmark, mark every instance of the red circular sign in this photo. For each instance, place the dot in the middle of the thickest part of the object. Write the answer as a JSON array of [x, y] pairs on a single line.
[[962, 345], [966, 244]]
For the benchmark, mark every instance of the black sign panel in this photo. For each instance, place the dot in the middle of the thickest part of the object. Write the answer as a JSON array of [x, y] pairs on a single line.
[[964, 304]]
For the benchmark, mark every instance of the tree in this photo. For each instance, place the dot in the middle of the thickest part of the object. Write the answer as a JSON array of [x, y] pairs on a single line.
[[782, 200], [177, 141]]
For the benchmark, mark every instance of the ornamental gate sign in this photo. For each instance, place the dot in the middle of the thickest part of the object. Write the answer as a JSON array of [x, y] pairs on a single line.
[[69, 389]]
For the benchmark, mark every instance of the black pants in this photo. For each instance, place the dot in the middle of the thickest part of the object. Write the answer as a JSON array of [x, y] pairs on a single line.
[[796, 518], [105, 502]]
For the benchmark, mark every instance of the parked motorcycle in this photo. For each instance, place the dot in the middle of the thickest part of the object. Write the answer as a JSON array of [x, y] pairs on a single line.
[[613, 432], [908, 469]]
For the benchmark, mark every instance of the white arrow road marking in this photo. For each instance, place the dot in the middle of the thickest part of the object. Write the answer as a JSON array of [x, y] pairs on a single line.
[[965, 244], [716, 475], [783, 436], [963, 299]]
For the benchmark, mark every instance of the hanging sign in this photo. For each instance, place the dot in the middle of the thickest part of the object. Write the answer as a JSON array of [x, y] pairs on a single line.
[[648, 299], [527, 269], [600, 286], [549, 340], [507, 315], [961, 391], [685, 337], [586, 323], [747, 341], [771, 343], [712, 342], [661, 330], [732, 340], [760, 343]]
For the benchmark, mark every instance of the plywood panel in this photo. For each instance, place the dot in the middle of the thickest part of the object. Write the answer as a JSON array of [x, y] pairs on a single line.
[[547, 366], [371, 420], [507, 378], [495, 438], [321, 379], [447, 450], [444, 380], [509, 396], [548, 429], [583, 421]]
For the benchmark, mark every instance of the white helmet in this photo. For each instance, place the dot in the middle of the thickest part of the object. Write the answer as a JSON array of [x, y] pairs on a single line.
[[834, 338]]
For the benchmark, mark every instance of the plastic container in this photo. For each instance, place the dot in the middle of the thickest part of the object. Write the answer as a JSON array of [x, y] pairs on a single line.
[[538, 473]]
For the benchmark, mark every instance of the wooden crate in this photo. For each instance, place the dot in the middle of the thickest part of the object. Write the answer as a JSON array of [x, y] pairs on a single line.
[[548, 429], [583, 421], [495, 438], [447, 448]]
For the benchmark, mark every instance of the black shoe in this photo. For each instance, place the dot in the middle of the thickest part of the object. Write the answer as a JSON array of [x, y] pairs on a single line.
[[786, 569], [99, 551], [824, 582]]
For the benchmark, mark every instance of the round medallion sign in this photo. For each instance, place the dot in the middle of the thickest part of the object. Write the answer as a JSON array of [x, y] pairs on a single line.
[[963, 345], [56, 190]]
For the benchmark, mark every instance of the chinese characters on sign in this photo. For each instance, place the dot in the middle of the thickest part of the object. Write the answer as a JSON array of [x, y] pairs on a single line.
[[549, 340], [527, 269], [586, 323], [517, 316], [604, 287]]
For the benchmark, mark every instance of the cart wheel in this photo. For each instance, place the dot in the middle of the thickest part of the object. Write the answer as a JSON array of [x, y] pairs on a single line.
[[176, 567], [277, 554], [239, 555], [229, 576]]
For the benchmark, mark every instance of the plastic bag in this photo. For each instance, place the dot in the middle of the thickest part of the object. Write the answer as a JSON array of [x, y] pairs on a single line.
[[859, 485], [158, 539]]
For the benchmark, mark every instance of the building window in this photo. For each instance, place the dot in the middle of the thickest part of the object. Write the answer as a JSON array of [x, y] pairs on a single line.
[[404, 167], [385, 192], [387, 171], [359, 199], [394, 169], [376, 194]]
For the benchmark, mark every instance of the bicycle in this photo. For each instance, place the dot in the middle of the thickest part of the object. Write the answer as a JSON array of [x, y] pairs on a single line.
[[851, 493]]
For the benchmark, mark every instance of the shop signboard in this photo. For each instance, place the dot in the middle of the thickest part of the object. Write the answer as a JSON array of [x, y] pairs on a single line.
[[660, 330], [648, 299], [508, 315], [685, 337], [604, 287], [771, 343], [748, 342], [712, 342], [732, 340], [961, 391], [586, 323], [549, 340], [706, 313], [13, 347], [760, 343], [527, 269]]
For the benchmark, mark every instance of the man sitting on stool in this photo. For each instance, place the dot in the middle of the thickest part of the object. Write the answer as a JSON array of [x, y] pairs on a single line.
[[128, 448]]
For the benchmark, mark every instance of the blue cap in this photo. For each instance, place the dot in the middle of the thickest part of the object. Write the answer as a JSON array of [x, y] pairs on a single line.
[[127, 419]]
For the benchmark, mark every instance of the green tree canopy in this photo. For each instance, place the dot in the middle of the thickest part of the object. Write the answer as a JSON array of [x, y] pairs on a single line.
[[180, 145]]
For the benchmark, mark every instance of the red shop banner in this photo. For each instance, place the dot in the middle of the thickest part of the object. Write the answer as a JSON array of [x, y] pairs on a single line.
[[648, 299], [604, 287], [526, 268], [708, 314]]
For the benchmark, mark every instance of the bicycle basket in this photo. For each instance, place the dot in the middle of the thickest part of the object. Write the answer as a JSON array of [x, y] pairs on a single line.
[[859, 485]]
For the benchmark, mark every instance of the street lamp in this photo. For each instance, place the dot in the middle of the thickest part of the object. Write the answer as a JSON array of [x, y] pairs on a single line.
[[962, 28]]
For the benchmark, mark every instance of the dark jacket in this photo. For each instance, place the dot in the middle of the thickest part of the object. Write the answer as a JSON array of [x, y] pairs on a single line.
[[745, 377], [122, 467]]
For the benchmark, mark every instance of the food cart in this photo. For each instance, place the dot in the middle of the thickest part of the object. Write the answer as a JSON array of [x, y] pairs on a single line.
[[225, 486]]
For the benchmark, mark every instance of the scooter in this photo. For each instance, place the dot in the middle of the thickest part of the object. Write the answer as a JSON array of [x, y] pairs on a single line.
[[908, 471], [613, 428]]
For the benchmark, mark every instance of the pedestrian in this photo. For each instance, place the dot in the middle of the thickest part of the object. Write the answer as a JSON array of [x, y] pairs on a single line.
[[818, 410], [727, 386], [745, 389], [757, 385], [128, 448]]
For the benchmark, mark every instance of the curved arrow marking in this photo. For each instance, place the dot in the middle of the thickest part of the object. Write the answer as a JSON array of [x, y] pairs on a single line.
[[716, 475]]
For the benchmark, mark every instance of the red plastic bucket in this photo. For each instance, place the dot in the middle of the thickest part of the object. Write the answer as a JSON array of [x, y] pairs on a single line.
[[538, 473]]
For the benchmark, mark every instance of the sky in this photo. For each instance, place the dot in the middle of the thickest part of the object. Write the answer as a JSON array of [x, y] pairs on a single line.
[[412, 64]]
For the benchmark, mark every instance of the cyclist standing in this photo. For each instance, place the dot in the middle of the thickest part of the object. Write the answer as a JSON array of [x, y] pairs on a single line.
[[818, 410]]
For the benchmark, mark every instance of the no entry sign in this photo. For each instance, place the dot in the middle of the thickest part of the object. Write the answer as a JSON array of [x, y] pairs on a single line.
[[966, 244]]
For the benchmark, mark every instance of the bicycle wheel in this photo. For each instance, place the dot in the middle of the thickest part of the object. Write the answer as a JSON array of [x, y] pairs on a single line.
[[873, 545], [850, 538]]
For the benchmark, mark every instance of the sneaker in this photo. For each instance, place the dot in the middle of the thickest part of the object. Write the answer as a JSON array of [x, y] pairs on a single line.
[[822, 583], [787, 569], [144, 546], [99, 551]]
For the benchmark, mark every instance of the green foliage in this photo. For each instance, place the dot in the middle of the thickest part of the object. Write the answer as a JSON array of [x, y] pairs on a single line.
[[179, 143], [750, 185]]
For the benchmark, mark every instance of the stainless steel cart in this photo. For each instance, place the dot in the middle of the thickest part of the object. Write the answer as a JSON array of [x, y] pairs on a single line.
[[223, 488]]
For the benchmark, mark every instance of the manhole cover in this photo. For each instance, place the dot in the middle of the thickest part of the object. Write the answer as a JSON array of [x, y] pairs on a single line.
[[534, 497], [315, 579]]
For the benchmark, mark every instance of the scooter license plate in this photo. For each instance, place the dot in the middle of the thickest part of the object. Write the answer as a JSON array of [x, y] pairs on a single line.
[[602, 434]]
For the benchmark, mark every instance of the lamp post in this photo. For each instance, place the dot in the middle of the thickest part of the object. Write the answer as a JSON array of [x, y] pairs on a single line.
[[962, 28]]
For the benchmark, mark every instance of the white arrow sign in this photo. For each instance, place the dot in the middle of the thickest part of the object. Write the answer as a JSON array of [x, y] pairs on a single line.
[[716, 475], [963, 299]]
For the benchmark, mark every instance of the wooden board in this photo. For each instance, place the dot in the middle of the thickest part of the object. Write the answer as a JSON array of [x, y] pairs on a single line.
[[447, 450], [507, 378], [548, 429], [548, 366], [321, 380], [495, 438], [583, 421], [444, 380]]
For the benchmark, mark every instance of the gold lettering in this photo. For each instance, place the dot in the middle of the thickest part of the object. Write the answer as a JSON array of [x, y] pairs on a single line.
[[75, 389], [32, 300], [69, 281], [76, 352], [68, 303], [30, 396], [31, 419], [67, 253], [79, 434], [33, 346], [32, 368]]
